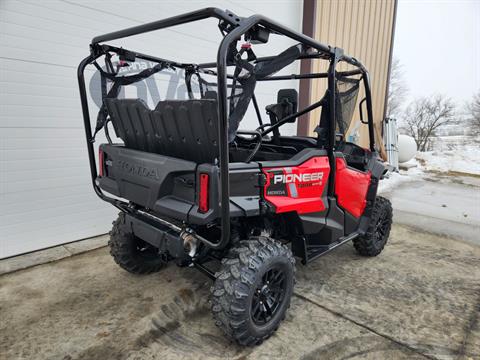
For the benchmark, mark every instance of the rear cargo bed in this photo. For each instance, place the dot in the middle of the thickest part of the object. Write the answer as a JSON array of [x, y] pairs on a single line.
[[160, 183], [168, 186]]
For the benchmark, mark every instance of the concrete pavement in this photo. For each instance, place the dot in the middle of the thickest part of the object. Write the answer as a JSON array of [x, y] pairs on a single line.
[[419, 299], [440, 204]]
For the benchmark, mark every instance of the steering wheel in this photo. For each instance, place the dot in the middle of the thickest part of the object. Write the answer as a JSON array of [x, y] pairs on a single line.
[[263, 126]]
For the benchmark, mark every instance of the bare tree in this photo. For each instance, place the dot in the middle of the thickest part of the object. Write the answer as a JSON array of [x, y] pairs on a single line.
[[473, 110], [425, 115], [397, 90]]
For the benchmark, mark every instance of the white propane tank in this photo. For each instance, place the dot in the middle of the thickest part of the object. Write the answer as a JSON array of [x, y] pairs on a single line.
[[407, 148]]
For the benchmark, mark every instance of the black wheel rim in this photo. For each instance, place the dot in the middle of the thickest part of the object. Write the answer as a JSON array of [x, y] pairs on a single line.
[[145, 250], [268, 296], [381, 228]]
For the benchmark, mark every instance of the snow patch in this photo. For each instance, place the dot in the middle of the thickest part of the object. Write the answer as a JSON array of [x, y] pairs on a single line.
[[465, 159]]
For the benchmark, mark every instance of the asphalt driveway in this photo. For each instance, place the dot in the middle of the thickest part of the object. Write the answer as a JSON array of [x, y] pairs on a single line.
[[419, 299], [441, 204]]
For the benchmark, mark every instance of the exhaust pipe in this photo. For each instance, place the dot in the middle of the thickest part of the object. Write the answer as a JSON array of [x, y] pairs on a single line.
[[190, 243]]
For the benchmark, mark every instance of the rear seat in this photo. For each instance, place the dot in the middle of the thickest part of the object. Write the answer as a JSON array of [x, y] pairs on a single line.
[[186, 129]]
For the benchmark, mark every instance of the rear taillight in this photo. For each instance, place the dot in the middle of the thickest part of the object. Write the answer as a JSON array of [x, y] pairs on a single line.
[[100, 162], [203, 194]]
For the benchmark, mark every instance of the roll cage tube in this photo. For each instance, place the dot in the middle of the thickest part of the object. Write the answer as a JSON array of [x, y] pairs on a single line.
[[223, 127], [368, 97], [238, 27], [197, 15], [332, 114], [88, 133]]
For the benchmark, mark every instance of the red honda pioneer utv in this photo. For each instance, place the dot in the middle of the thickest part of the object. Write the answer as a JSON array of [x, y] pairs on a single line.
[[193, 188]]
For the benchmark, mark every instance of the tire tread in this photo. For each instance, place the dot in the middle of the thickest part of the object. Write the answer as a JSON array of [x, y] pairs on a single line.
[[365, 245], [121, 249], [233, 284]]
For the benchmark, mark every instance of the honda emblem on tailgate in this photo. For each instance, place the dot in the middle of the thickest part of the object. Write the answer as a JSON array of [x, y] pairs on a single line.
[[135, 169]]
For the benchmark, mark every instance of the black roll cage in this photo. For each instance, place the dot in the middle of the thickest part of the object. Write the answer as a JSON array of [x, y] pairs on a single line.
[[233, 28]]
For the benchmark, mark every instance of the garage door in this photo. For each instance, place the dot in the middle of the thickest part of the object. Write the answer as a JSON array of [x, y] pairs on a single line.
[[45, 194]]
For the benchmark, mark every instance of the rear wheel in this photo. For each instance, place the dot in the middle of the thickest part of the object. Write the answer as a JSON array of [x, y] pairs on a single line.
[[374, 240], [253, 289], [132, 253]]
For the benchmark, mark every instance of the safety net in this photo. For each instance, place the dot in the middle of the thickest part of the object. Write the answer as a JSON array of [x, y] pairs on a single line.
[[346, 99], [156, 82]]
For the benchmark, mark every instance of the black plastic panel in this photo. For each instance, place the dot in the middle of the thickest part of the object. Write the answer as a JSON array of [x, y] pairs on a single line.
[[296, 160], [351, 223], [244, 193], [163, 238], [334, 226]]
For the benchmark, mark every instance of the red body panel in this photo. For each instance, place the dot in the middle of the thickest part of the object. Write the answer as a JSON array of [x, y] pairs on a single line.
[[298, 188], [351, 188]]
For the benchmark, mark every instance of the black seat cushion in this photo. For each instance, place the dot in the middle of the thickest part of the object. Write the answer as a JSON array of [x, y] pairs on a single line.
[[185, 129]]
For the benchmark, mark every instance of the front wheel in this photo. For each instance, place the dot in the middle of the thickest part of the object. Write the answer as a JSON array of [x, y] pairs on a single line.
[[252, 291], [374, 240]]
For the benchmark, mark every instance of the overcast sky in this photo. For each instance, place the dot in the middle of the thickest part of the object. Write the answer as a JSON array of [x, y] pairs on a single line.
[[438, 44]]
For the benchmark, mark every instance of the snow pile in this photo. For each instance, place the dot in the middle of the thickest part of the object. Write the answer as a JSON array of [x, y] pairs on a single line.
[[465, 159], [394, 179], [458, 158]]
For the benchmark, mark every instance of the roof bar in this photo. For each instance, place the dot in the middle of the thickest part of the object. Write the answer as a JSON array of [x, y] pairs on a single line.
[[171, 21]]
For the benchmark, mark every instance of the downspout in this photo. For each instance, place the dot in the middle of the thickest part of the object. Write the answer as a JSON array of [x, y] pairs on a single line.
[[308, 28], [390, 59]]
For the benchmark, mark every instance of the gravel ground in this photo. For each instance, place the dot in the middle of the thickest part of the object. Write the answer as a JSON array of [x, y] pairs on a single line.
[[419, 299]]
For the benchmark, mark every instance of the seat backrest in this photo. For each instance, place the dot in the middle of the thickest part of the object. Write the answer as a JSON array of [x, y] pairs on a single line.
[[186, 129], [288, 98]]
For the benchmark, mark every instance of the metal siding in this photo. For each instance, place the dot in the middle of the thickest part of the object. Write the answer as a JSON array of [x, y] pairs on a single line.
[[45, 193], [363, 29]]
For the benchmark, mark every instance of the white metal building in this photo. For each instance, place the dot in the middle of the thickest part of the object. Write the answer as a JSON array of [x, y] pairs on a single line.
[[46, 196]]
